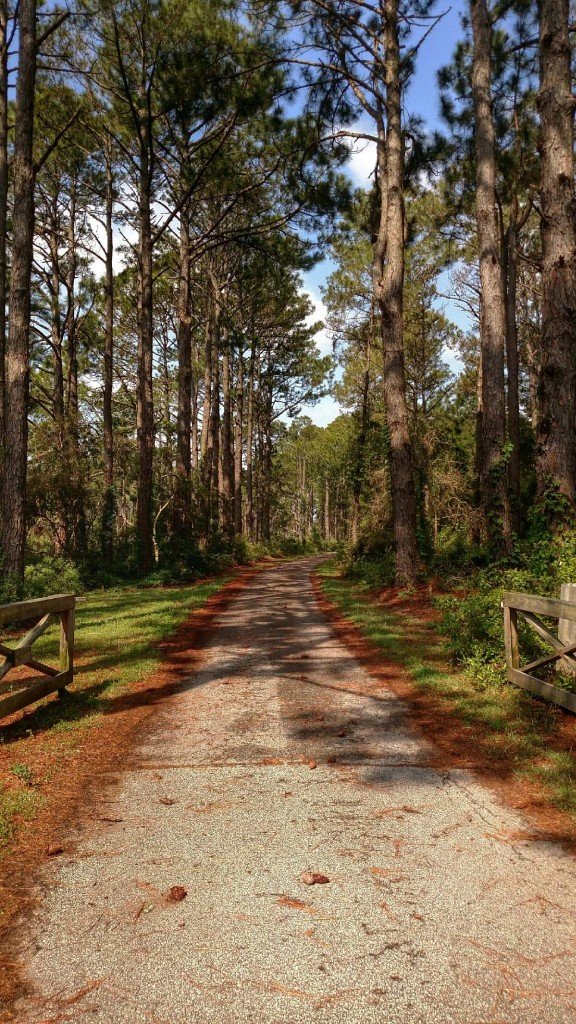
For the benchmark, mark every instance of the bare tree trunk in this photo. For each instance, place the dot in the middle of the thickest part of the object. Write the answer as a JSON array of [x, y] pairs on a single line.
[[145, 396], [214, 442], [109, 508], [556, 438], [79, 508], [389, 290], [56, 324], [182, 511], [227, 462], [512, 366], [493, 476], [70, 323], [207, 387], [250, 446], [362, 438], [238, 443], [194, 409], [18, 341], [3, 217]]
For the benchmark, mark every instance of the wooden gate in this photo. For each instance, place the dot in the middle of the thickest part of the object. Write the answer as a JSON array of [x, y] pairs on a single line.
[[19, 693], [530, 607]]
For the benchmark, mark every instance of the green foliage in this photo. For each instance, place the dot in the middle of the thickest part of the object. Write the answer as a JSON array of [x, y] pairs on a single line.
[[22, 772], [52, 576], [472, 622], [56, 575]]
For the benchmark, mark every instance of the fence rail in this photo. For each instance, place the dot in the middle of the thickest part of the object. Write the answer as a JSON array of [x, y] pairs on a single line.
[[18, 693], [530, 607]]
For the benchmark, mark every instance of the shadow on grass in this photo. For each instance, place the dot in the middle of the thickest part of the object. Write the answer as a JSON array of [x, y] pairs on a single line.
[[125, 660], [518, 732]]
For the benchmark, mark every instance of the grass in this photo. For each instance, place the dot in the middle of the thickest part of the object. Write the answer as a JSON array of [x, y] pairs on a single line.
[[516, 729], [117, 637]]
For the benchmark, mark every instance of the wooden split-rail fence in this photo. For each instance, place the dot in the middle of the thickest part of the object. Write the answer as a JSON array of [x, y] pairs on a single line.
[[18, 693], [531, 607]]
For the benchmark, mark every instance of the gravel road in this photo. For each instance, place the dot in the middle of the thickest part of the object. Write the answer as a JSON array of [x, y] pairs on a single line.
[[284, 756]]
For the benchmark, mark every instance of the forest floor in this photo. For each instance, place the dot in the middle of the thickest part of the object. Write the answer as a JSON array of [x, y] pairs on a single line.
[[289, 840]]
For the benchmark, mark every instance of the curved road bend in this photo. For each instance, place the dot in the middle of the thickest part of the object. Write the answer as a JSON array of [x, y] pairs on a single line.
[[430, 915]]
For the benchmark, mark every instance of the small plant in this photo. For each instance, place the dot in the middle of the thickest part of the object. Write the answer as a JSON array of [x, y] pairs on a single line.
[[22, 772]]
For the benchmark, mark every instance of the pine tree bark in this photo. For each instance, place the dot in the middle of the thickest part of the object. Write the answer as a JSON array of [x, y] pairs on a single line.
[[556, 437], [145, 396], [389, 291], [250, 445], [492, 466], [512, 362], [56, 324], [18, 340], [182, 518], [227, 487], [109, 507], [238, 443], [3, 217]]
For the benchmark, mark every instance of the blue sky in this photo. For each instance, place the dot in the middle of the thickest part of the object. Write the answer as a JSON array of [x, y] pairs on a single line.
[[421, 99]]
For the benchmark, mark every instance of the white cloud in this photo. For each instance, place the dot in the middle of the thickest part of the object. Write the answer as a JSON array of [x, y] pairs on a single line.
[[319, 313], [362, 161]]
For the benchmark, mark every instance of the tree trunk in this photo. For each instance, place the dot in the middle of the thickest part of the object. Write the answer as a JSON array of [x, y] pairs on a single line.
[[511, 263], [556, 438], [227, 462], [182, 515], [145, 397], [250, 447], [238, 443], [18, 341], [56, 324], [389, 291], [493, 476], [109, 508], [3, 216]]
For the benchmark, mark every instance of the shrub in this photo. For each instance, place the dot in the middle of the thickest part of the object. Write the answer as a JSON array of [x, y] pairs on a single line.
[[52, 576]]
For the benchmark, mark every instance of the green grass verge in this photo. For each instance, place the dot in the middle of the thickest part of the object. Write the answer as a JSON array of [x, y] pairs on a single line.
[[117, 634], [516, 728]]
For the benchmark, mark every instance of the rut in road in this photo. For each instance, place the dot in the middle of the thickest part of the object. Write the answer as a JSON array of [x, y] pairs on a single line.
[[437, 908]]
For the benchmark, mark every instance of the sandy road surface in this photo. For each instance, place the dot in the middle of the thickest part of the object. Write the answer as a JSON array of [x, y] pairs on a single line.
[[437, 908]]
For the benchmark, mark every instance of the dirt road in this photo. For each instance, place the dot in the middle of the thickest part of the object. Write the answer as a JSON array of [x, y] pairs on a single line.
[[438, 908]]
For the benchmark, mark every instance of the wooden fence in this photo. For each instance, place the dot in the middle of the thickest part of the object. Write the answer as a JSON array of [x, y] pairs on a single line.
[[19, 693], [530, 607]]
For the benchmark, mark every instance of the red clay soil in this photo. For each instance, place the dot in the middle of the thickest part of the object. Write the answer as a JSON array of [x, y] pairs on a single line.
[[457, 744], [101, 749]]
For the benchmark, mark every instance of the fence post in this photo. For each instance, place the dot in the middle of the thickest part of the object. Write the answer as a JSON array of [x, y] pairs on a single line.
[[67, 618], [511, 637], [567, 628]]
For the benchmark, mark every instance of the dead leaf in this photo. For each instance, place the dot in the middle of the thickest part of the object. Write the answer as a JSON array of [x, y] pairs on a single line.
[[311, 764], [313, 878], [294, 904], [176, 894], [341, 732], [53, 849], [167, 801]]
